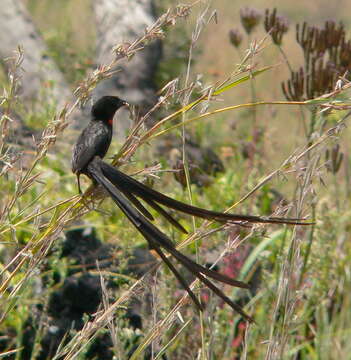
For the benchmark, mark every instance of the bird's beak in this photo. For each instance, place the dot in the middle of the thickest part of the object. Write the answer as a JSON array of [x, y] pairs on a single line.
[[126, 104]]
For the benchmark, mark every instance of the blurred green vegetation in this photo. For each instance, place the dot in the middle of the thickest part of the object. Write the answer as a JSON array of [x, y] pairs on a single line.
[[70, 38]]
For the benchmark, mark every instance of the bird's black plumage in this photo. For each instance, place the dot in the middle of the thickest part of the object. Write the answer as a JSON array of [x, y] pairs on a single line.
[[159, 241], [95, 139], [92, 146]]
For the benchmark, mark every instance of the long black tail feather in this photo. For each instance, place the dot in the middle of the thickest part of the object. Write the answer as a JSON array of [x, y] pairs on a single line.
[[166, 215], [179, 278], [138, 205], [157, 239], [126, 183]]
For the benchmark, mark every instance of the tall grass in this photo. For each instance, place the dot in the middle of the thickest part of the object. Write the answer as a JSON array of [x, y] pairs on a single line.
[[300, 277]]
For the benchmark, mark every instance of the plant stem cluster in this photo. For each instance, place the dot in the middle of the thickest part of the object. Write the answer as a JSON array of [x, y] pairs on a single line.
[[327, 56]]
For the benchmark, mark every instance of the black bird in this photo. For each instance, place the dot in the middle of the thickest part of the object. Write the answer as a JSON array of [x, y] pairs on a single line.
[[92, 146], [95, 139]]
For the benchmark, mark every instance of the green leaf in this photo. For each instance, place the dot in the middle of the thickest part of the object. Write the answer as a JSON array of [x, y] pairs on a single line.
[[241, 80], [257, 251]]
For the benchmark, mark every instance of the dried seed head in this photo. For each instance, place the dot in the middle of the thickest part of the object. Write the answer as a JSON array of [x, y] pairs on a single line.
[[183, 10], [276, 25], [327, 56], [122, 50], [250, 18], [235, 37]]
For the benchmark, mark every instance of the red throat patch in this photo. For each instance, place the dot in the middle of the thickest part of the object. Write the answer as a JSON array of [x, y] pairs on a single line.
[[110, 121]]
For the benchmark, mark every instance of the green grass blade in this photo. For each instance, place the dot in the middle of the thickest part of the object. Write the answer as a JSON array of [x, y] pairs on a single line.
[[258, 250], [242, 80]]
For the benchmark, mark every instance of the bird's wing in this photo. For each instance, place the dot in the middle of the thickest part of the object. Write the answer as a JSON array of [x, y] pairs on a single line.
[[94, 140]]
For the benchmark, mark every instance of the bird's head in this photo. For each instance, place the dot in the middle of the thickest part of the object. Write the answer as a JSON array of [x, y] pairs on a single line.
[[104, 109]]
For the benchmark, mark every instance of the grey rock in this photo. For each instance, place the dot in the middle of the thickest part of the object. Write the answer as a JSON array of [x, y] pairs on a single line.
[[117, 22], [40, 71]]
